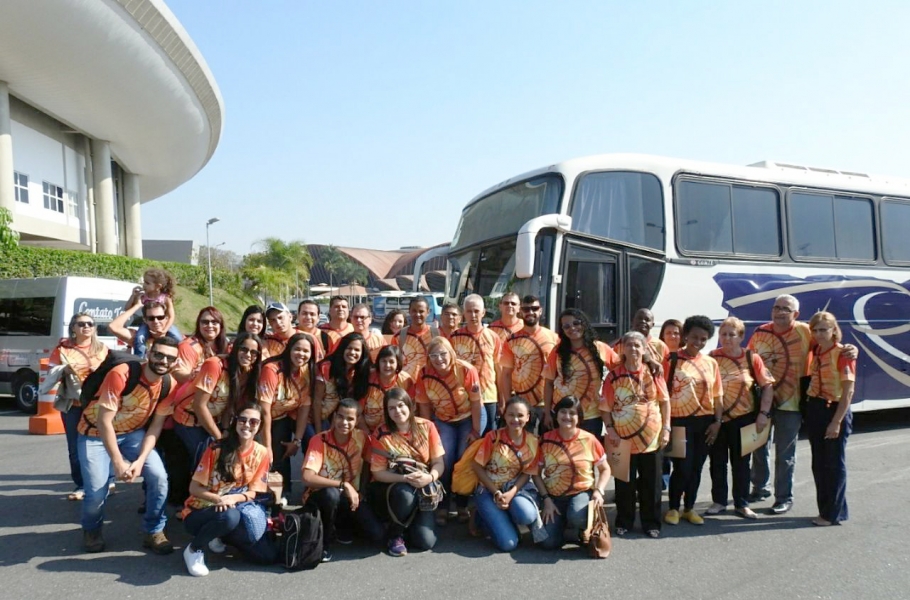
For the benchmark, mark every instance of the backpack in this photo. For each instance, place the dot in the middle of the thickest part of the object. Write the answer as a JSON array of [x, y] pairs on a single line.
[[301, 538], [92, 383]]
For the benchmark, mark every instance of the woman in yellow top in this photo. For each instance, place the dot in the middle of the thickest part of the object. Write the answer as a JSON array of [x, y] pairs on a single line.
[[386, 375], [81, 353], [635, 406], [504, 464], [448, 389], [568, 457], [829, 420], [230, 475], [285, 392]]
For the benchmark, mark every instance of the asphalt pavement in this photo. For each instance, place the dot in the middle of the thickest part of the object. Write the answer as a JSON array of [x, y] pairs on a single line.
[[775, 557]]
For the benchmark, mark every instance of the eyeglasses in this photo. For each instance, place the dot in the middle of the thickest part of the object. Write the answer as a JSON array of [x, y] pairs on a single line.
[[252, 421], [84, 324], [360, 317], [161, 357], [530, 308], [782, 309], [209, 322], [439, 355], [573, 325], [245, 350], [155, 317]]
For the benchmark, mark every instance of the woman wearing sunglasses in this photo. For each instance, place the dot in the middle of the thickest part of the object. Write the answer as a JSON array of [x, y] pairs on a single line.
[[230, 474], [80, 354]]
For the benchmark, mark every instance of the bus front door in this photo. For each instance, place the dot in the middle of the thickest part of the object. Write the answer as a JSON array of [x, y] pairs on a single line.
[[591, 284]]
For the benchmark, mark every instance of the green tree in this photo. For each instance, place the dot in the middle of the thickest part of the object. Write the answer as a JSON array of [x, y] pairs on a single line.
[[343, 268], [9, 237], [277, 266]]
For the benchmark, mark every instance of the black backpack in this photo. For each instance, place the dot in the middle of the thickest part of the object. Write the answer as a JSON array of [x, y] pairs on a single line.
[[114, 358], [301, 538]]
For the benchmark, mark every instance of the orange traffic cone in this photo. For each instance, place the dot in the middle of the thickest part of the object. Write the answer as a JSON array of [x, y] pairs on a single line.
[[48, 420]]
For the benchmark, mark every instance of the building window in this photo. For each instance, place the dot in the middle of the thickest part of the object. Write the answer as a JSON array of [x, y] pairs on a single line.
[[72, 204], [20, 184], [53, 197]]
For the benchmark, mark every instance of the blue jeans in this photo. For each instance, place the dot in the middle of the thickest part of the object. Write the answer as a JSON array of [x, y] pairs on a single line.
[[140, 341], [490, 424], [70, 424], [196, 439], [454, 437], [401, 499], [786, 424], [207, 524], [501, 524], [96, 468], [573, 514], [593, 426]]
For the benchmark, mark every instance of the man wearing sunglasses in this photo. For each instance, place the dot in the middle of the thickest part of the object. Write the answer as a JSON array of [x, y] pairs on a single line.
[[113, 439], [155, 316]]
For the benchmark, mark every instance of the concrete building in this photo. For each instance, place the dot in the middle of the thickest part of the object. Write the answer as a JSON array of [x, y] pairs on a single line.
[[104, 105], [387, 270], [181, 251]]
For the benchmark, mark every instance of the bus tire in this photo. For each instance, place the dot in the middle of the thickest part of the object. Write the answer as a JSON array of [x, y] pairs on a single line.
[[25, 391]]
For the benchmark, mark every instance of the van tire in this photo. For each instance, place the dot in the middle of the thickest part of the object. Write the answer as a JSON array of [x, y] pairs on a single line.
[[25, 391]]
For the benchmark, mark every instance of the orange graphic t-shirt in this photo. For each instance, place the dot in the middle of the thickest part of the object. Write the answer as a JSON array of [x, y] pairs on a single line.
[[213, 380], [280, 395], [329, 458], [786, 355], [633, 400], [737, 381], [251, 475], [657, 350], [504, 460], [79, 358], [133, 410], [415, 349], [829, 370], [274, 344], [567, 466], [451, 395], [526, 354], [335, 335], [482, 350], [583, 380], [425, 446], [696, 383], [332, 395], [505, 331], [374, 343], [371, 406]]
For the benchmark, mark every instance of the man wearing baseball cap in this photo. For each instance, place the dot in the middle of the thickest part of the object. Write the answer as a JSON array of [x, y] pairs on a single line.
[[279, 318]]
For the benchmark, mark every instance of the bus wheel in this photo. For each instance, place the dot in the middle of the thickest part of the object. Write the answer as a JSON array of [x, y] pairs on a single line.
[[25, 390]]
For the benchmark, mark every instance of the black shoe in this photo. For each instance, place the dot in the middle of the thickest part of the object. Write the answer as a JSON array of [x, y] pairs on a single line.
[[344, 538], [780, 508], [93, 541], [326, 556], [759, 495]]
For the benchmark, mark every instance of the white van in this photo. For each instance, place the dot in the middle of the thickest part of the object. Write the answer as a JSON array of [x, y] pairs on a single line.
[[34, 315]]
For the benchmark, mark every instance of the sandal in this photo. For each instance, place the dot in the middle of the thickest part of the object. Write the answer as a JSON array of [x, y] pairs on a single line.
[[746, 513], [653, 533], [76, 495], [620, 531], [716, 509]]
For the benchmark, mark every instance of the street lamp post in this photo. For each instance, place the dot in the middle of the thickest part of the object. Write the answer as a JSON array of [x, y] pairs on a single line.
[[208, 249]]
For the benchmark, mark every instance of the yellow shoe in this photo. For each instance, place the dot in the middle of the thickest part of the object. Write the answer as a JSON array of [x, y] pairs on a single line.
[[693, 517], [672, 517]]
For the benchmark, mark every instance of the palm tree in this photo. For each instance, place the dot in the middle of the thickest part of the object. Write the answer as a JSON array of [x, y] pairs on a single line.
[[277, 264]]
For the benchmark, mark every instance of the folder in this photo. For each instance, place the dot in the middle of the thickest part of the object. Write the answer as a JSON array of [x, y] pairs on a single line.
[[751, 439]]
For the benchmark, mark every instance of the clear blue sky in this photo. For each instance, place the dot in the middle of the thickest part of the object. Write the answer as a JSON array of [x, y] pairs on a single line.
[[371, 124]]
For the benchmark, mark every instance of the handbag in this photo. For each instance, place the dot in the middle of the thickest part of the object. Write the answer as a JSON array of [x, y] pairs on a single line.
[[430, 495], [464, 479], [597, 536]]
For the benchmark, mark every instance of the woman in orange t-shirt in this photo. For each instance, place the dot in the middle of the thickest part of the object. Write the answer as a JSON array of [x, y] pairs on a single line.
[[345, 373], [230, 475], [386, 375], [81, 352], [829, 420]]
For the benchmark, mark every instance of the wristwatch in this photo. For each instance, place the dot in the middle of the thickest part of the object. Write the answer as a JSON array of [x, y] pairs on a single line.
[[341, 485], [667, 428], [767, 413]]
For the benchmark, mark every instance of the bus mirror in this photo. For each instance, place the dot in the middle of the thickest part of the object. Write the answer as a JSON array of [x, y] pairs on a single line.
[[527, 236]]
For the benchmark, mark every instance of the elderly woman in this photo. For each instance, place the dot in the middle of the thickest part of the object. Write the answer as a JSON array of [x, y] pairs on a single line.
[[568, 457], [829, 420], [448, 389], [739, 369], [395, 495], [80, 353], [635, 406], [696, 403], [576, 368]]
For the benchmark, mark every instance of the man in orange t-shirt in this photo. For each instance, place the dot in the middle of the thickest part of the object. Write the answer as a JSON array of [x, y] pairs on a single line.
[[361, 318], [509, 321], [482, 348], [113, 432], [413, 340], [338, 325], [308, 322], [279, 318], [449, 320]]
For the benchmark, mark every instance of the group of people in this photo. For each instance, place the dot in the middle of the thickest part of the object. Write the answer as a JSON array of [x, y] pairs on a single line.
[[384, 417]]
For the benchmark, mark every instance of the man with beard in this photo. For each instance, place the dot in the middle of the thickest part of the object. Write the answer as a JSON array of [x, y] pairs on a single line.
[[112, 433]]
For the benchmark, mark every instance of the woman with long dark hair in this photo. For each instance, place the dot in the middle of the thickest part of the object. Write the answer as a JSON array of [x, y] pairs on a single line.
[[252, 321], [286, 387], [344, 374], [577, 368], [394, 321], [230, 475]]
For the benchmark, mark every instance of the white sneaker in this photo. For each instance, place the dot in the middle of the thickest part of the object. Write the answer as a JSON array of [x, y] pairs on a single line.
[[195, 562], [217, 546]]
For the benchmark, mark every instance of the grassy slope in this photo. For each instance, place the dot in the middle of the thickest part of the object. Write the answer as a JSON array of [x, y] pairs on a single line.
[[189, 303]]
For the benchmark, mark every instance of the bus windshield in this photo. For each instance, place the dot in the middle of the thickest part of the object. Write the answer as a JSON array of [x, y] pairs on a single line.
[[502, 213]]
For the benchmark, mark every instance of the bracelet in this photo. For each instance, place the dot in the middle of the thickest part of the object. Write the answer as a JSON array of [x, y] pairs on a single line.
[[767, 413], [597, 489], [667, 428]]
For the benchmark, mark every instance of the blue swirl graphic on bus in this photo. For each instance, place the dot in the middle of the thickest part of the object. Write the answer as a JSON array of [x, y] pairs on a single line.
[[872, 313]]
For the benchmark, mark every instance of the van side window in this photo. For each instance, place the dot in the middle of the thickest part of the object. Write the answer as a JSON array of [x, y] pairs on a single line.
[[26, 316]]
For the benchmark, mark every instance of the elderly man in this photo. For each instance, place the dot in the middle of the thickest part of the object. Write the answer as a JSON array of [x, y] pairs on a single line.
[[361, 318], [481, 347]]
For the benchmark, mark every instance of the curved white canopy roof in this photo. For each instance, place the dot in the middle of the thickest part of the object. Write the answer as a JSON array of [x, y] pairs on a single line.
[[119, 70]]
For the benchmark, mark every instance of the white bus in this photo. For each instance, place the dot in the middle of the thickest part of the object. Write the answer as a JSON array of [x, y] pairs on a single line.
[[612, 233]]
